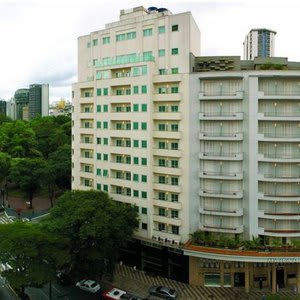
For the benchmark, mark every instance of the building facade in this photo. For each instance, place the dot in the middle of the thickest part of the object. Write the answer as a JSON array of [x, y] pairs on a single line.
[[3, 107], [259, 43], [38, 100], [21, 102]]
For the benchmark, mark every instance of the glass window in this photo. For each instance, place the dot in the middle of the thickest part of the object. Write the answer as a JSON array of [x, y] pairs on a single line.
[[144, 89], [144, 126], [98, 141], [98, 124], [144, 161], [144, 226], [175, 27], [175, 229], [135, 177], [105, 108], [106, 40], [135, 107], [105, 91], [144, 107], [174, 214], [174, 127], [144, 195], [98, 156], [135, 89], [144, 144], [174, 146], [135, 125], [162, 90], [161, 145], [120, 37], [147, 32], [98, 92], [174, 89], [144, 210], [136, 71], [175, 70], [105, 124], [105, 141], [174, 51], [161, 179], [174, 163], [98, 186], [162, 127], [162, 108], [105, 187], [161, 29], [174, 181], [105, 173], [131, 35], [161, 227], [174, 108], [95, 42], [162, 71], [161, 52], [212, 279], [98, 108], [136, 143], [174, 197], [135, 193], [98, 172], [162, 162], [135, 160], [144, 178], [144, 70], [105, 157], [162, 196]]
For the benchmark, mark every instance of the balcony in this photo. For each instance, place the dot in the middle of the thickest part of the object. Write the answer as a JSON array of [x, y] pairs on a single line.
[[221, 175], [167, 97], [86, 115], [168, 116], [221, 212], [238, 95], [278, 137], [167, 134], [167, 170], [86, 99], [221, 155], [221, 194], [167, 204], [278, 178], [277, 196], [278, 215], [167, 187], [279, 116], [226, 116], [167, 152], [279, 232], [222, 228], [278, 95], [220, 136], [167, 78], [279, 157], [167, 220]]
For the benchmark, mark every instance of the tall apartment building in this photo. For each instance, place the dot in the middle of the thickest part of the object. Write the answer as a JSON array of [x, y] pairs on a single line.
[[248, 182], [3, 104], [131, 113], [38, 100], [21, 102], [259, 42]]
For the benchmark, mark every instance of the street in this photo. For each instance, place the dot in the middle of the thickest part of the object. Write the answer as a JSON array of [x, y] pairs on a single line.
[[6, 292]]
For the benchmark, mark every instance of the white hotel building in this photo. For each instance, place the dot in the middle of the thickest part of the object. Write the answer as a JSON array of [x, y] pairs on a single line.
[[209, 144]]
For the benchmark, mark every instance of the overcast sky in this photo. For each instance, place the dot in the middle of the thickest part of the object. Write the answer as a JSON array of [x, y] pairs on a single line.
[[39, 37]]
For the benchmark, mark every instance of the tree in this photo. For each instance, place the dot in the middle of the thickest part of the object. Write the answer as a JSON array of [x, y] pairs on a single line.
[[97, 227], [32, 253], [5, 163], [26, 173]]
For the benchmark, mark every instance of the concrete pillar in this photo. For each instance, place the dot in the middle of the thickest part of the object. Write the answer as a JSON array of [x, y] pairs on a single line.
[[232, 277], [251, 275], [194, 270], [247, 281], [274, 279], [222, 273], [298, 278]]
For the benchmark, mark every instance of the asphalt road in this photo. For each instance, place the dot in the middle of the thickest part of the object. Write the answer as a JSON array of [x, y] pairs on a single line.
[[6, 292]]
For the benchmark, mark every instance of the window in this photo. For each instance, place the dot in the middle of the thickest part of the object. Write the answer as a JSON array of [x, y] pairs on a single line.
[[147, 32], [98, 172], [162, 196], [144, 210], [105, 124], [88, 44], [162, 211], [174, 181], [105, 157], [161, 52], [144, 178], [106, 40], [174, 127], [105, 187], [98, 141], [174, 163], [174, 89], [135, 193], [175, 70], [95, 42], [105, 108], [144, 195], [144, 89], [135, 143], [135, 160], [175, 229], [131, 35], [98, 92], [135, 177], [162, 162], [174, 146], [175, 27], [135, 89], [212, 279], [144, 161], [174, 108], [135, 125], [174, 51], [162, 127], [120, 37], [144, 126], [161, 29], [98, 156], [136, 71], [105, 141], [105, 173], [105, 91], [95, 62], [144, 226], [162, 108], [144, 70], [162, 90], [174, 214], [98, 124], [98, 108], [162, 71], [144, 144], [161, 227], [144, 107], [162, 179], [161, 145], [98, 186]]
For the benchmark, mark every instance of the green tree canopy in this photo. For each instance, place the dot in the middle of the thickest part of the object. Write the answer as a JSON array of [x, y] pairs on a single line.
[[96, 226]]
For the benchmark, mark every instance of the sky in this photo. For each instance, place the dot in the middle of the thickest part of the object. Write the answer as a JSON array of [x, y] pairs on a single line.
[[39, 37]]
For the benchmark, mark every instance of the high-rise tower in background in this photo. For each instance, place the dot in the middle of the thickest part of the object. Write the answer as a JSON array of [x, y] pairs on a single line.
[[259, 42], [38, 100]]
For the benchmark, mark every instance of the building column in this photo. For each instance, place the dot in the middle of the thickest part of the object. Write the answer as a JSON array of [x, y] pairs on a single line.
[[298, 278], [251, 275], [193, 270], [274, 279], [222, 273], [247, 281]]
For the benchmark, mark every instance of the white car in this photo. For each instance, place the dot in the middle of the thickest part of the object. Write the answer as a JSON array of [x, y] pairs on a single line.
[[88, 285]]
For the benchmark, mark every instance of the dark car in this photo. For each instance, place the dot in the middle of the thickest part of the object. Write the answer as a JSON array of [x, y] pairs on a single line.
[[163, 292], [130, 297], [63, 278]]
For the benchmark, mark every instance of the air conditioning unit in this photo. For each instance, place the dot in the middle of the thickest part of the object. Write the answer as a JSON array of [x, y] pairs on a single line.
[[175, 242], [169, 241], [154, 237], [160, 239]]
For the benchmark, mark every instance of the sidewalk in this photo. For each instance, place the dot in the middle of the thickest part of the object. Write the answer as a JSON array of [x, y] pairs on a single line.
[[138, 283]]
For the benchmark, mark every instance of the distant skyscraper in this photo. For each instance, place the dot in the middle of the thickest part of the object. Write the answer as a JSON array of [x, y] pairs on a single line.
[[11, 109], [21, 101], [3, 107], [38, 100], [259, 42]]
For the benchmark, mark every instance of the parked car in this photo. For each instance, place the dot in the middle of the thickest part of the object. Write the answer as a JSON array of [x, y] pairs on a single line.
[[130, 297], [88, 285], [63, 278], [113, 294], [163, 292]]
